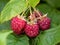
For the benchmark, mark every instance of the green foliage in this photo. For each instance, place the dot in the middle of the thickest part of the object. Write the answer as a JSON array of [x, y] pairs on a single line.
[[2, 4], [3, 36], [6, 38], [5, 26], [17, 40], [49, 37], [54, 3], [33, 3], [13, 8]]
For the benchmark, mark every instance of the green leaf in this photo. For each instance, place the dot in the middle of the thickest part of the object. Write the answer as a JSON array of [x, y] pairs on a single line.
[[17, 40], [52, 13], [33, 3], [13, 8], [2, 4], [3, 36], [49, 37], [53, 3], [5, 26]]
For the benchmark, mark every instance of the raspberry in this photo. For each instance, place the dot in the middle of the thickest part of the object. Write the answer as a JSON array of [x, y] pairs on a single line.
[[17, 25], [44, 23], [32, 30]]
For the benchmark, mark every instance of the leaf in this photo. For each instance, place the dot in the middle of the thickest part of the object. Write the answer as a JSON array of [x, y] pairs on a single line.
[[52, 13], [2, 4], [53, 3], [17, 40], [13, 8], [49, 37], [5, 26], [3, 36], [33, 3]]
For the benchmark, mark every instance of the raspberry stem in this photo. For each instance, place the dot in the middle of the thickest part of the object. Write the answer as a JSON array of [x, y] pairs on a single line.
[[40, 17], [30, 10], [31, 14], [37, 12], [45, 15]]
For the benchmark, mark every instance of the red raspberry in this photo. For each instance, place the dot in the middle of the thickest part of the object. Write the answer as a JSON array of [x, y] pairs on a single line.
[[17, 25], [44, 23], [32, 30]]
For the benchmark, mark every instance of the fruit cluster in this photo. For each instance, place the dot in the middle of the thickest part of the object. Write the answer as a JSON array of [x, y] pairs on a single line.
[[37, 21]]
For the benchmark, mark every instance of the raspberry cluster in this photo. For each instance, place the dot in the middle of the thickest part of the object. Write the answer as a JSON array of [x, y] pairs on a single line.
[[37, 21]]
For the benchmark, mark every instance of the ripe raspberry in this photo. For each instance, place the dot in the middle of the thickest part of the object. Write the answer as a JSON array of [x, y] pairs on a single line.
[[44, 23], [17, 25], [32, 30]]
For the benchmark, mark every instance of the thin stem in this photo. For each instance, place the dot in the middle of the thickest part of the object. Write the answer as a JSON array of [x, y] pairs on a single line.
[[37, 12], [26, 9], [23, 12], [30, 10], [30, 13], [42, 16], [45, 15]]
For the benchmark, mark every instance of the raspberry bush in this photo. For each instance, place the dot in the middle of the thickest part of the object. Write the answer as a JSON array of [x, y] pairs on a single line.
[[23, 22]]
